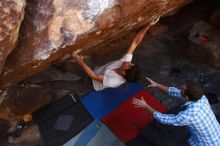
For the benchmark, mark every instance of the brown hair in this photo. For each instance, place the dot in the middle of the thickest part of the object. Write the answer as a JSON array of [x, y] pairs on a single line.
[[132, 74], [194, 90]]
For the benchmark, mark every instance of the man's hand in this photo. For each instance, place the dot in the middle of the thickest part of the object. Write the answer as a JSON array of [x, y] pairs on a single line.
[[140, 35], [152, 83], [140, 103], [77, 58], [86, 68], [157, 85], [150, 24], [154, 22]]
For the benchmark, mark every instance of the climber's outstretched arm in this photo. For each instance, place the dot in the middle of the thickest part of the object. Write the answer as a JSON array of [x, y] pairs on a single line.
[[140, 35]]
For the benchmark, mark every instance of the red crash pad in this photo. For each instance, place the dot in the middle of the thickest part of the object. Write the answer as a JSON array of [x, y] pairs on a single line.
[[126, 120]]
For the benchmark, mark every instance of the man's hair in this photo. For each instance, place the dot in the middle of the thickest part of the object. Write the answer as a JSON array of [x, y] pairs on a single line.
[[132, 74], [194, 90]]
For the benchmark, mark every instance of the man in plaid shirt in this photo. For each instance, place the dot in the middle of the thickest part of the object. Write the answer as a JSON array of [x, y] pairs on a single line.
[[197, 116]]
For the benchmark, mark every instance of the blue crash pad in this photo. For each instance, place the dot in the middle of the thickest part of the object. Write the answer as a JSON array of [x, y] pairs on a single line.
[[96, 134], [100, 103]]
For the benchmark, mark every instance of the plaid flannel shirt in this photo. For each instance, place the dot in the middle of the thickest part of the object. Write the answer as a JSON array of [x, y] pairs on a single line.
[[198, 116]]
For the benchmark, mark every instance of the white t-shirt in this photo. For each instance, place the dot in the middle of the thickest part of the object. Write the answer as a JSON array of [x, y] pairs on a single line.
[[111, 78]]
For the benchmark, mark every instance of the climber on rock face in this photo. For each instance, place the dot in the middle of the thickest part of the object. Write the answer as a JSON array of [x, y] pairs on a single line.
[[112, 74], [117, 72]]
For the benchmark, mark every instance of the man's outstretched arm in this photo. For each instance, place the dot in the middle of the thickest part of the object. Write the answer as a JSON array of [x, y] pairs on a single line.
[[141, 103], [154, 84], [86, 68], [171, 91], [181, 119], [139, 37]]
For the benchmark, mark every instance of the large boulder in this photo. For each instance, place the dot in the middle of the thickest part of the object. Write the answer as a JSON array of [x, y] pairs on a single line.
[[205, 43], [215, 19], [52, 29], [11, 16]]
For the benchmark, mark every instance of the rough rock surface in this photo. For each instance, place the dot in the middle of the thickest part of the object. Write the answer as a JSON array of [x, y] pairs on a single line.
[[215, 19], [205, 43], [19, 101], [53, 28], [11, 16]]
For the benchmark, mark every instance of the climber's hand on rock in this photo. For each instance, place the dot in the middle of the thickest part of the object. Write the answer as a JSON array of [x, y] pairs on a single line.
[[142, 32], [77, 58], [154, 21]]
